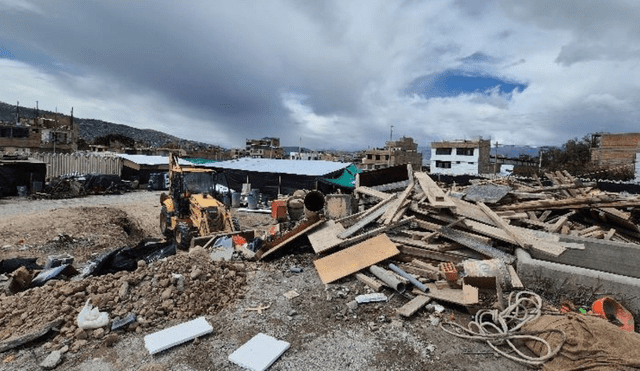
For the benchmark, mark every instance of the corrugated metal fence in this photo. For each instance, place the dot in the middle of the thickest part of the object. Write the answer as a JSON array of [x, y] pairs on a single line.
[[65, 163]]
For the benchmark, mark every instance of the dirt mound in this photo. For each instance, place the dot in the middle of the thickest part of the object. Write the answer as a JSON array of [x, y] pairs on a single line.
[[86, 229], [154, 293]]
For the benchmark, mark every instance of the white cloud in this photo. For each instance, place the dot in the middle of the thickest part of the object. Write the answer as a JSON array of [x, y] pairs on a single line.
[[19, 6], [334, 72], [94, 96]]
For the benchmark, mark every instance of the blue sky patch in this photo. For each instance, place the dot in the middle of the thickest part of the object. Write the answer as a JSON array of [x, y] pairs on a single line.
[[19, 52], [452, 83]]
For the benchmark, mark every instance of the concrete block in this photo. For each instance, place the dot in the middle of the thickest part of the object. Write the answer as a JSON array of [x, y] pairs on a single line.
[[172, 336], [608, 256], [259, 353], [569, 279]]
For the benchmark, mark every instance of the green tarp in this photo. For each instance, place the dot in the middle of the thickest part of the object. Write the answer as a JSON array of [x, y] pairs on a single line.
[[348, 177]]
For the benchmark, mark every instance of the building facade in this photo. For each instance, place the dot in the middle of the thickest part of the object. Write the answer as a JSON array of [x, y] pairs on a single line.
[[47, 133], [264, 148], [614, 150], [461, 157], [400, 152]]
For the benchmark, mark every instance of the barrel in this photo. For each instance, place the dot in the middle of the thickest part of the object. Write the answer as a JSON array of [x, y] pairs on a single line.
[[235, 199]]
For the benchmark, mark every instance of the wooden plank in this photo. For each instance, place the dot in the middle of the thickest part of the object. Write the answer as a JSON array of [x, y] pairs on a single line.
[[268, 250], [430, 274], [397, 205], [326, 236], [504, 226], [467, 296], [435, 195], [558, 225], [610, 234], [589, 230], [515, 280], [452, 256], [374, 283], [350, 220], [413, 306], [471, 211], [374, 232], [372, 192], [564, 180], [355, 258], [544, 215], [368, 217], [548, 245]]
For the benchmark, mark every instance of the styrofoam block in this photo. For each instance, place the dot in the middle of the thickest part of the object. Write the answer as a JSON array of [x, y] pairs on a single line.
[[259, 353], [368, 298], [172, 336]]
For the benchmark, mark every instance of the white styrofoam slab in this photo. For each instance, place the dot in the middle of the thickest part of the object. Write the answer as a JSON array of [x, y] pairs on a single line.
[[259, 353], [368, 298], [172, 336]]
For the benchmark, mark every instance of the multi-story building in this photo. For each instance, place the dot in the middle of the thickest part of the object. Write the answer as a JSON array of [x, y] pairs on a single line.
[[400, 152], [461, 157], [614, 150], [47, 133], [264, 148]]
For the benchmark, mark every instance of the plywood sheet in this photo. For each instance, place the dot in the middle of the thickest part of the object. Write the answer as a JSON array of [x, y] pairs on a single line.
[[326, 236], [355, 258]]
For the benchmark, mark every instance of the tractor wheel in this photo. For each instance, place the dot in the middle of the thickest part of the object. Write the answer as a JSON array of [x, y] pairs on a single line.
[[183, 236], [165, 222], [236, 224]]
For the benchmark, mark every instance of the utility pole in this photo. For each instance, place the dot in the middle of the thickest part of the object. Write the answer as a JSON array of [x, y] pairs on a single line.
[[495, 160], [391, 135]]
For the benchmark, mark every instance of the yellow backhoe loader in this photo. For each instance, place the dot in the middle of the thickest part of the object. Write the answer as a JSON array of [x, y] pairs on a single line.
[[190, 210]]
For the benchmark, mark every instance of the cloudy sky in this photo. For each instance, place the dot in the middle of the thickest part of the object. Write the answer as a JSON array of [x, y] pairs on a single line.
[[331, 74]]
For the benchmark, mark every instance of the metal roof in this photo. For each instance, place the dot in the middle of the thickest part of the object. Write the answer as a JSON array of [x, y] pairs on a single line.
[[151, 160], [297, 167]]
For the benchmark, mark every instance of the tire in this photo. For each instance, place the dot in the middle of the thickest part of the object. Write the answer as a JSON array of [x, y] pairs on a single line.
[[165, 222], [236, 224], [183, 236]]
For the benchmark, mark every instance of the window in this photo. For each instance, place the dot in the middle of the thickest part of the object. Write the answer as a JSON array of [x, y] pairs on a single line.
[[458, 162], [471, 163], [464, 151], [386, 157], [443, 164], [443, 151], [369, 156], [378, 157]]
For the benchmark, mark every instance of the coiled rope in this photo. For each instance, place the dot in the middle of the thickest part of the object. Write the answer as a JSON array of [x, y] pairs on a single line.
[[504, 326]]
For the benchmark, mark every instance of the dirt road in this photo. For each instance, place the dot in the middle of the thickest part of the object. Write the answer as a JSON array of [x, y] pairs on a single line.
[[323, 332]]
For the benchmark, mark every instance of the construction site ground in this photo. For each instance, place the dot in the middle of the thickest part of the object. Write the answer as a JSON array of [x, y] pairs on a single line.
[[323, 332]]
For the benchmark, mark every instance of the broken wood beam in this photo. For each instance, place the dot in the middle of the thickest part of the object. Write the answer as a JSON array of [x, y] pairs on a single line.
[[373, 192], [413, 306], [435, 195], [371, 233], [375, 284], [504, 226], [558, 225]]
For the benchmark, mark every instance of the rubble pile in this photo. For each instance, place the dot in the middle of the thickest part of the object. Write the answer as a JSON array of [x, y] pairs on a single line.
[[75, 185], [177, 288]]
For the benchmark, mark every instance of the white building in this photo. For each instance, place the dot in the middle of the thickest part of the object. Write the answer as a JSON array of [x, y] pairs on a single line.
[[308, 156], [461, 157]]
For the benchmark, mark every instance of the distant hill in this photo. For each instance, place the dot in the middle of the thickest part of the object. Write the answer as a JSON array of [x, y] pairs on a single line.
[[89, 129]]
